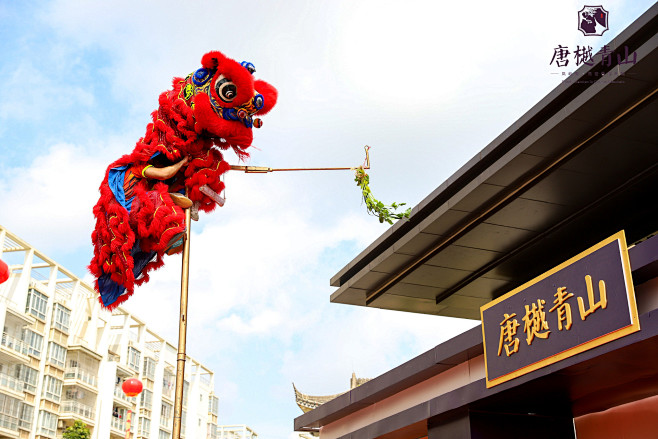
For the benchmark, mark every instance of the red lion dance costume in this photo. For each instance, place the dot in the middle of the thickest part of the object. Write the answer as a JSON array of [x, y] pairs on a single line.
[[137, 219]]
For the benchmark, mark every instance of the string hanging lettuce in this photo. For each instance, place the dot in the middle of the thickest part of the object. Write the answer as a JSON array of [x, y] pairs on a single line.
[[374, 206]]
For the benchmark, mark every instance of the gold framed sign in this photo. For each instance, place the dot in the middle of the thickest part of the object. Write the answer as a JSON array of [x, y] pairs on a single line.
[[582, 303]]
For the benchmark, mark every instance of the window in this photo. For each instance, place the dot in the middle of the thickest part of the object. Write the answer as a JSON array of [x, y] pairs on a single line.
[[168, 382], [133, 358], [56, 354], [182, 422], [118, 414], [147, 399], [25, 417], [149, 368], [61, 318], [36, 304], [29, 377], [165, 414], [47, 423], [163, 435], [213, 405], [9, 410], [33, 342], [52, 388], [144, 427]]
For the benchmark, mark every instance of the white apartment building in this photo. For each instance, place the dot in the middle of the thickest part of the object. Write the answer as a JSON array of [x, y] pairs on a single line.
[[63, 358], [240, 431]]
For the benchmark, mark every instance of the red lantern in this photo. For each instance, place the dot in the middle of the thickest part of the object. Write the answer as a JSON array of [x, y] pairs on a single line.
[[132, 387], [4, 271]]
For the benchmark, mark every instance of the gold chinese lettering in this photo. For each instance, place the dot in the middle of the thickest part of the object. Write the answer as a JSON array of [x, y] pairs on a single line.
[[535, 321], [508, 329], [563, 308], [593, 306]]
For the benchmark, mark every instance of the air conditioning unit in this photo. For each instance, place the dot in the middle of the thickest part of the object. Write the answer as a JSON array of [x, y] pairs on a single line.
[[60, 424]]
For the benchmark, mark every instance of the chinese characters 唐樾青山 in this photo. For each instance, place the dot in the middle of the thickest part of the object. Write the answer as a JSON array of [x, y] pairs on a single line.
[[535, 322]]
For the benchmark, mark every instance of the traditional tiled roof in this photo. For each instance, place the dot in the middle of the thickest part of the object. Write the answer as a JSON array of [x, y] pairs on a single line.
[[309, 402]]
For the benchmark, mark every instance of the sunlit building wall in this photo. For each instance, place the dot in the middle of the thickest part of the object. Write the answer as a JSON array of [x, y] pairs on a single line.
[[63, 358], [236, 432]]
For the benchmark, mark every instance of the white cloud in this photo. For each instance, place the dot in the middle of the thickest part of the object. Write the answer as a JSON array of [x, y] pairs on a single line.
[[258, 300], [34, 92], [255, 255], [426, 85], [365, 341], [262, 323], [50, 202]]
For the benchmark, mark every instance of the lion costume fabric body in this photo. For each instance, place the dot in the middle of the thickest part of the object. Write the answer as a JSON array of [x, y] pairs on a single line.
[[210, 110]]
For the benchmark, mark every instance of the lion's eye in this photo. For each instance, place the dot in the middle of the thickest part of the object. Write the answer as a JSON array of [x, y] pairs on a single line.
[[226, 90]]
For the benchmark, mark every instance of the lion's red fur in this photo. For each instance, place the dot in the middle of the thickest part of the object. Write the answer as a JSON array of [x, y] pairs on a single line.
[[181, 127]]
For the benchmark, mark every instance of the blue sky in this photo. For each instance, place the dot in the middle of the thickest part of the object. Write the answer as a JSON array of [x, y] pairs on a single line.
[[426, 84]]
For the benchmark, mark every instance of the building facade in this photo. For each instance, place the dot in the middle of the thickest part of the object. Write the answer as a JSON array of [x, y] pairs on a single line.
[[239, 431], [552, 222], [63, 358]]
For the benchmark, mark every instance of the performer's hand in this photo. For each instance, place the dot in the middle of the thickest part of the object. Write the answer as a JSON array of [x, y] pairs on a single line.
[[166, 172], [180, 164]]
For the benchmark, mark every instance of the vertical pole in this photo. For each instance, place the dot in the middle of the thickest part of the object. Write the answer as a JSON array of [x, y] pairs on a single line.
[[128, 418], [182, 330]]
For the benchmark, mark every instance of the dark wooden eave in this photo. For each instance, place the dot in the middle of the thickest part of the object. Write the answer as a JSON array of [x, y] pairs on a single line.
[[578, 167]]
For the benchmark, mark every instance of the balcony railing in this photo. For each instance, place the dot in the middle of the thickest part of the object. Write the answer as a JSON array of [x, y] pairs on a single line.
[[118, 392], [120, 424], [47, 432], [78, 408], [14, 343], [9, 382], [80, 374]]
